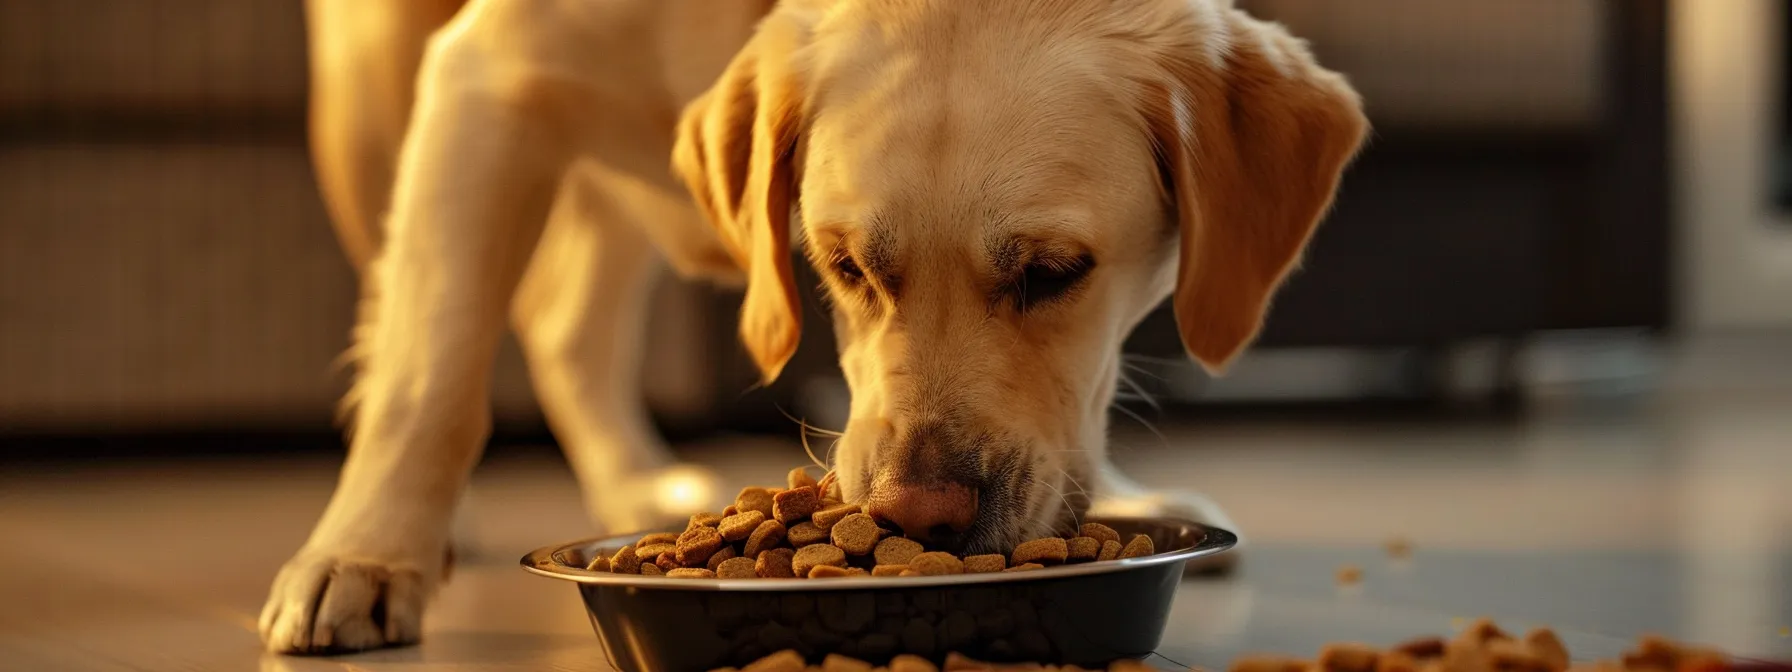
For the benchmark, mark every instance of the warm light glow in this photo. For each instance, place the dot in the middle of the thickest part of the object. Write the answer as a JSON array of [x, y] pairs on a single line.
[[685, 490]]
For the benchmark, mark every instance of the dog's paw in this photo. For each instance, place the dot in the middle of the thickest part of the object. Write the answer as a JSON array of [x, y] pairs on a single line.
[[332, 604]]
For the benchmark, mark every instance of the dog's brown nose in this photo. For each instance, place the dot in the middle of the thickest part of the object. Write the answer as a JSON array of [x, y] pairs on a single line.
[[926, 511]]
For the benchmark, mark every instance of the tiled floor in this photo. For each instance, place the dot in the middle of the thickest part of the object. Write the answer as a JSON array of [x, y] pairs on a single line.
[[1670, 514]]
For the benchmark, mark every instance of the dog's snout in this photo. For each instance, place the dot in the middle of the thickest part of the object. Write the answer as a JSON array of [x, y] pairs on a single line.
[[926, 512]]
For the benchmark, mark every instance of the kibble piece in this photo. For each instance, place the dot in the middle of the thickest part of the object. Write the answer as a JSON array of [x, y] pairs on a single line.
[[1025, 567], [856, 534], [690, 573], [1395, 660], [668, 561], [1482, 631], [813, 555], [984, 564], [888, 570], [754, 499], [648, 569], [1139, 547], [1349, 575], [657, 538], [787, 660], [1098, 532], [911, 663], [1110, 550], [826, 518], [697, 544], [768, 535], [1267, 664], [800, 478], [1046, 550], [729, 510], [832, 572], [775, 564], [838, 663], [1509, 655], [1399, 548], [1422, 648], [795, 504], [598, 564], [1347, 657], [625, 561], [1083, 549], [935, 563], [805, 533], [1547, 647], [717, 558], [740, 526], [703, 520], [910, 572], [736, 568], [896, 551], [651, 551]]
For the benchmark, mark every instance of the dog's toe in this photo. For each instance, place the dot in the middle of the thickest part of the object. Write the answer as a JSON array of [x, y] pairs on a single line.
[[330, 605]]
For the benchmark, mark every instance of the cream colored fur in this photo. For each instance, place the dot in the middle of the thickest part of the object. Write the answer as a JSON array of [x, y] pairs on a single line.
[[942, 148]]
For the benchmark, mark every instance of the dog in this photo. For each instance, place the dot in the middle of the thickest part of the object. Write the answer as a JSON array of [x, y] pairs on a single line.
[[994, 194]]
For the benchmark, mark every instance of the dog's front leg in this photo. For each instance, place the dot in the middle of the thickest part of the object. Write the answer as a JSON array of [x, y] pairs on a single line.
[[477, 175]]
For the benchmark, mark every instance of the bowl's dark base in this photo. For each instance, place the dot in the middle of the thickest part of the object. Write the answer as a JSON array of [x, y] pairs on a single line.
[[1080, 620]]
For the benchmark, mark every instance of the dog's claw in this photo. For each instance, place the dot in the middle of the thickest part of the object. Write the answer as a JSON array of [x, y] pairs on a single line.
[[324, 604]]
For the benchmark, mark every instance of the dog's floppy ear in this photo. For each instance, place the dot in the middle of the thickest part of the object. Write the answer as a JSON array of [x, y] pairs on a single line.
[[734, 151], [1253, 144]]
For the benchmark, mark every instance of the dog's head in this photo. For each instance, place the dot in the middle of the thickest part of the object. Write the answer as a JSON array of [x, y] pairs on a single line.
[[995, 193]]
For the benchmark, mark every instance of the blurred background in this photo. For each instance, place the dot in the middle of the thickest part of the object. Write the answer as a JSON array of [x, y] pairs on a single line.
[[1555, 298]]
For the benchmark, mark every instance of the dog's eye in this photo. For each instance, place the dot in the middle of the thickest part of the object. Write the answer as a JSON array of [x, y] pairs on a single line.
[[848, 269], [1046, 281]]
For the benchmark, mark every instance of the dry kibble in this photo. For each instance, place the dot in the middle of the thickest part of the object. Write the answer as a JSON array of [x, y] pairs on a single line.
[[805, 533], [1025, 567], [765, 537], [729, 510], [1509, 655], [787, 660], [888, 570], [741, 525], [667, 561], [656, 539], [598, 564], [717, 558], [1110, 550], [1347, 657], [651, 570], [838, 663], [856, 533], [690, 573], [754, 499], [1484, 630], [795, 504], [910, 572], [775, 564], [1083, 549], [1047, 550], [911, 663], [737, 568], [703, 520], [1547, 647], [1394, 660], [651, 551], [1138, 547], [896, 551], [1098, 532], [800, 478], [697, 544], [814, 555], [625, 561], [1422, 648], [832, 572], [1349, 575], [826, 518], [1399, 548], [1267, 664], [983, 564], [936, 563]]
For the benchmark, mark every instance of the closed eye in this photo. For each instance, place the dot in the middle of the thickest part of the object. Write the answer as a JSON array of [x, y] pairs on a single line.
[[1045, 281]]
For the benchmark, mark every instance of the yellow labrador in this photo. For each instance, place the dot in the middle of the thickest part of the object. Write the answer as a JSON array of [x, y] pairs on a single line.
[[995, 192]]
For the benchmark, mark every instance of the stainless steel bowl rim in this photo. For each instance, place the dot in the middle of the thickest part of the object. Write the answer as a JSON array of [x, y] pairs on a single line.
[[545, 561]]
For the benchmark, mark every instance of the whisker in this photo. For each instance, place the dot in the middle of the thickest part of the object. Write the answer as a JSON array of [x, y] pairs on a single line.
[[1142, 421], [1140, 391]]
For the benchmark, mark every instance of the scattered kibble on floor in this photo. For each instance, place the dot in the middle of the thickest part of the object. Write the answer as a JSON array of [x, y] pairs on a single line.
[[1349, 575]]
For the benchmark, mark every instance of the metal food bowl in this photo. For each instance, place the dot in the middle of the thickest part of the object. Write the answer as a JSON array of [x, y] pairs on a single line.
[[1084, 614]]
